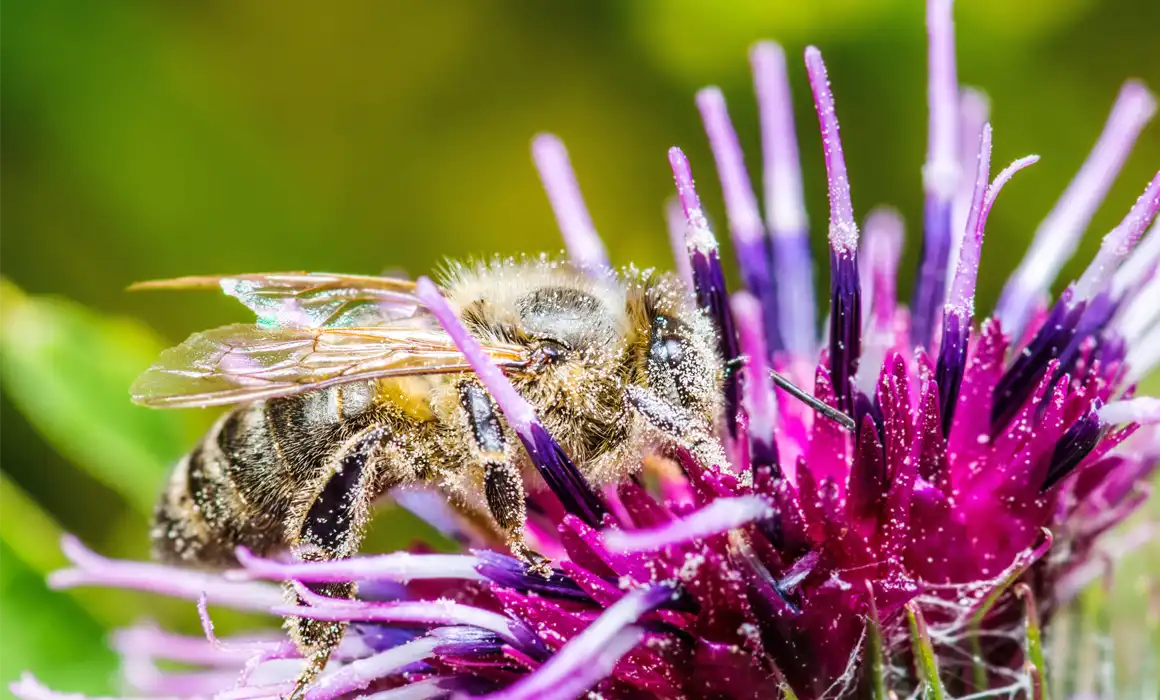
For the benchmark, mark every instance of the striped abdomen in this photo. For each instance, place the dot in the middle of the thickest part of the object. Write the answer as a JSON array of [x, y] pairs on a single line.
[[253, 476]]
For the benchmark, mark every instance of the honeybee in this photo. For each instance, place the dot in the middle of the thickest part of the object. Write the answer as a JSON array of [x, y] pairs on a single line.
[[347, 387]]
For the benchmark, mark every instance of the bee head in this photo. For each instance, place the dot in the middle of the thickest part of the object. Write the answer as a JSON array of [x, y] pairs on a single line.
[[575, 338], [675, 348], [682, 364], [593, 343], [572, 326]]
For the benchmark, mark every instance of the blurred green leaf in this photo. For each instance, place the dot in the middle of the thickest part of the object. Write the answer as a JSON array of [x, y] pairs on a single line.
[[1095, 607], [699, 42], [48, 634], [394, 528], [33, 537], [27, 530], [68, 370]]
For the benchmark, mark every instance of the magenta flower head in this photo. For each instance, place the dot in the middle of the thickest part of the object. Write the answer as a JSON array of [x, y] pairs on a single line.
[[901, 527]]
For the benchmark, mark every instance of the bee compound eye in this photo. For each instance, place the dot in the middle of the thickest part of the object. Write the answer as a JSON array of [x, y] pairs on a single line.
[[549, 352]]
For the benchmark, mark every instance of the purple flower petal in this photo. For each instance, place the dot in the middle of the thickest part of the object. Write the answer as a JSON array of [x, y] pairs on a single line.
[[757, 392], [590, 657], [28, 687], [962, 294], [400, 566], [960, 306], [147, 640], [843, 230], [845, 287], [974, 111], [1141, 266], [845, 326], [785, 208], [961, 297], [1055, 334], [720, 516], [878, 261], [358, 675], [1143, 356], [93, 570], [509, 572], [676, 224], [438, 612], [1144, 410], [1119, 242], [436, 687], [1079, 440]]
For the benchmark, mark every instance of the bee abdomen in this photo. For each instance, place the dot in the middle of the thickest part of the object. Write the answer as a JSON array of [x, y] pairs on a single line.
[[203, 515], [185, 528], [256, 465]]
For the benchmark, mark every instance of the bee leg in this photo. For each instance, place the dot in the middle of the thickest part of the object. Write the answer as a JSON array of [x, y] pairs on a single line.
[[679, 425], [502, 485], [504, 490], [332, 529]]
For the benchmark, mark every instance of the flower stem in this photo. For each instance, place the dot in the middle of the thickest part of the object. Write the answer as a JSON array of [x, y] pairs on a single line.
[[1038, 687], [1012, 574], [1038, 666], [924, 658], [877, 657]]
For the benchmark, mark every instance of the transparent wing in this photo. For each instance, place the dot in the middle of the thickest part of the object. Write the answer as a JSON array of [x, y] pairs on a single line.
[[239, 363], [309, 299]]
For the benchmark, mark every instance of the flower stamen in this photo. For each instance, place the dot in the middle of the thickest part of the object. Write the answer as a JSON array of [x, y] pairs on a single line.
[[585, 248], [845, 287], [745, 226], [1058, 235], [960, 306], [940, 173], [785, 209], [757, 394], [708, 276]]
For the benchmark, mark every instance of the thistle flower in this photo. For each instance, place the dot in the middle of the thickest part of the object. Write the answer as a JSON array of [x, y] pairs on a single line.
[[906, 527]]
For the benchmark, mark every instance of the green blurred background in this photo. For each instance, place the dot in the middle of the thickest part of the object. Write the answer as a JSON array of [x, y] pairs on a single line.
[[156, 139]]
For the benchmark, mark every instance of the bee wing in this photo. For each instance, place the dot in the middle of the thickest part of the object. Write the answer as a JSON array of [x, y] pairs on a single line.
[[241, 362], [309, 299]]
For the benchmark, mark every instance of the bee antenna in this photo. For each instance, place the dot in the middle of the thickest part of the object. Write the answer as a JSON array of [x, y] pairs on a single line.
[[813, 402]]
